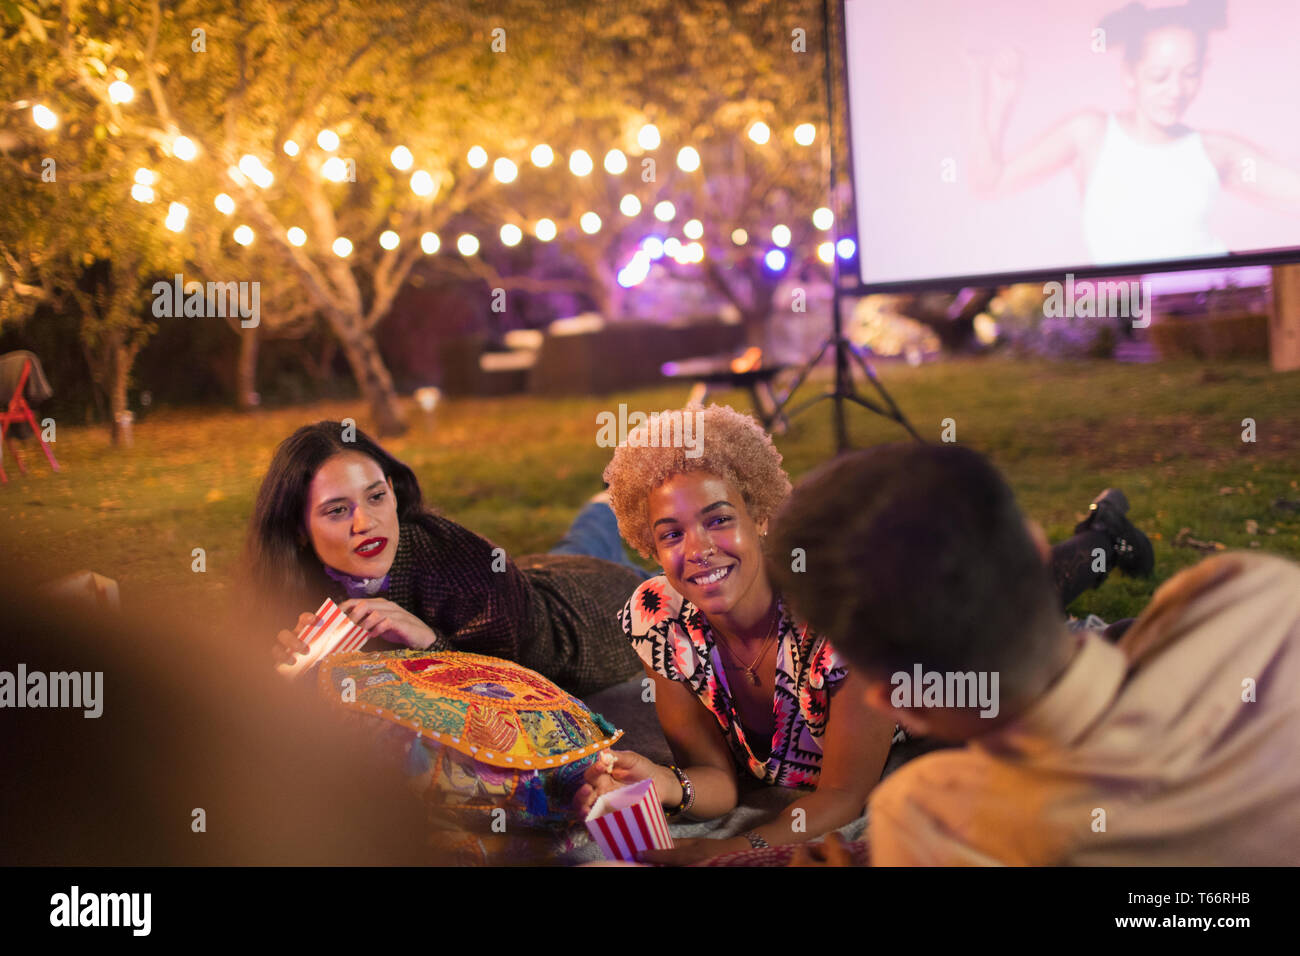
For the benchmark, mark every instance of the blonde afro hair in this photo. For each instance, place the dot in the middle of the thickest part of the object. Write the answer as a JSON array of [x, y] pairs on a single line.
[[734, 447]]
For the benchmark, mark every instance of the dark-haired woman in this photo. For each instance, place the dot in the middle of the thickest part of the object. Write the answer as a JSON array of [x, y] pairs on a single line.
[[337, 516], [1148, 181]]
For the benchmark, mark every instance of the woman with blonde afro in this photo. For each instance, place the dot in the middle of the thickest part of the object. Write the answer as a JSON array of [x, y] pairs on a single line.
[[741, 687]]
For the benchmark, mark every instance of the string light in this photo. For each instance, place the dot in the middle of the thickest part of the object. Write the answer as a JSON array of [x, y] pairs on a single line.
[[590, 223], [177, 213], [545, 230], [422, 183], [142, 192], [775, 260], [183, 148], [846, 247], [823, 218], [477, 157], [826, 252], [781, 235], [805, 133], [580, 163], [342, 247], [334, 169], [44, 117], [401, 158], [328, 140], [635, 272], [760, 132], [145, 177], [511, 234], [664, 211], [647, 136], [389, 239], [121, 91], [252, 167], [290, 148], [244, 235], [430, 243], [693, 229], [688, 159], [296, 236], [739, 236], [466, 244], [224, 203], [542, 156], [615, 162], [629, 205], [504, 170]]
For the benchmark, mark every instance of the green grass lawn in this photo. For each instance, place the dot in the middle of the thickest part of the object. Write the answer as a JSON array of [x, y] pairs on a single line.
[[517, 469]]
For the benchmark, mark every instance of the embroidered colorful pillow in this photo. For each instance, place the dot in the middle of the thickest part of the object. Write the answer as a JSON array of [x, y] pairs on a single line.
[[480, 733]]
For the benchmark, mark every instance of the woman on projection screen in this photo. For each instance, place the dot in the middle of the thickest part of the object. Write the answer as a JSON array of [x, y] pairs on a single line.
[[1148, 181]]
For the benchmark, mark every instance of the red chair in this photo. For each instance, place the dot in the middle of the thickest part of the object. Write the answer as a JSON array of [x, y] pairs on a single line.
[[20, 413]]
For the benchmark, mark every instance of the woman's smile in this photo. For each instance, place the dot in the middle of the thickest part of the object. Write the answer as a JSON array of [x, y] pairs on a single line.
[[709, 546], [711, 578]]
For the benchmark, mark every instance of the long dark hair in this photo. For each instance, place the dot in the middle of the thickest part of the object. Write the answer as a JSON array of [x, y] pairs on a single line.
[[282, 566]]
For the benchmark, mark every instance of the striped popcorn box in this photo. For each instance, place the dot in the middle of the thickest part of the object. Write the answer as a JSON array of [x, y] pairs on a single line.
[[331, 633], [628, 820]]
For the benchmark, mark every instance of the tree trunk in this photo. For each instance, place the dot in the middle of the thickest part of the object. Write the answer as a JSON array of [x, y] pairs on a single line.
[[374, 381], [954, 324], [246, 371], [756, 319], [122, 358]]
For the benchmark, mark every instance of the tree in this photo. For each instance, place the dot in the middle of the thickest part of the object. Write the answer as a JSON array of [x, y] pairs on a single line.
[[67, 240], [222, 94], [703, 73], [332, 230]]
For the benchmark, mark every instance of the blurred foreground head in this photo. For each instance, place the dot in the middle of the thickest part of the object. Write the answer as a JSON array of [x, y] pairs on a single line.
[[917, 554], [189, 722]]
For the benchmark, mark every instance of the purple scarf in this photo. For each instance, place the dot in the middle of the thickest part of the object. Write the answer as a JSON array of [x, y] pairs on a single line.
[[358, 587]]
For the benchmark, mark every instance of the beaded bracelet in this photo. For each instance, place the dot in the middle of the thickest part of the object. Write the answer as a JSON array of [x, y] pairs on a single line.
[[688, 792]]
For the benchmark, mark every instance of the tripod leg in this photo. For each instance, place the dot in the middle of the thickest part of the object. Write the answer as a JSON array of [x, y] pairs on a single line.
[[804, 406], [803, 374], [895, 412], [776, 421]]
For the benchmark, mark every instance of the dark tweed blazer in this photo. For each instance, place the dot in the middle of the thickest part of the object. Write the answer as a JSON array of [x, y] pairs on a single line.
[[557, 614]]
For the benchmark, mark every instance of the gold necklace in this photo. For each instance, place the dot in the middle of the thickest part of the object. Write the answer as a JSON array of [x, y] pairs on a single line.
[[767, 642]]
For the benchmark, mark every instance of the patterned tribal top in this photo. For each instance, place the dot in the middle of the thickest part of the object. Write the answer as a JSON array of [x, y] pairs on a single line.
[[674, 638]]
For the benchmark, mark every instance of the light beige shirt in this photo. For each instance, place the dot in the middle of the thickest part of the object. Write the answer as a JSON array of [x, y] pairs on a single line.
[[1178, 746]]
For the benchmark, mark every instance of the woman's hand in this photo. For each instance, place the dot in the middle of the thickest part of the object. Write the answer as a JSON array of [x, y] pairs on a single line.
[[288, 646], [832, 851], [392, 622], [629, 767], [696, 850]]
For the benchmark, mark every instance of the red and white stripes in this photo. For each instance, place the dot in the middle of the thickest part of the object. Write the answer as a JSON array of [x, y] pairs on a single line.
[[628, 820]]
